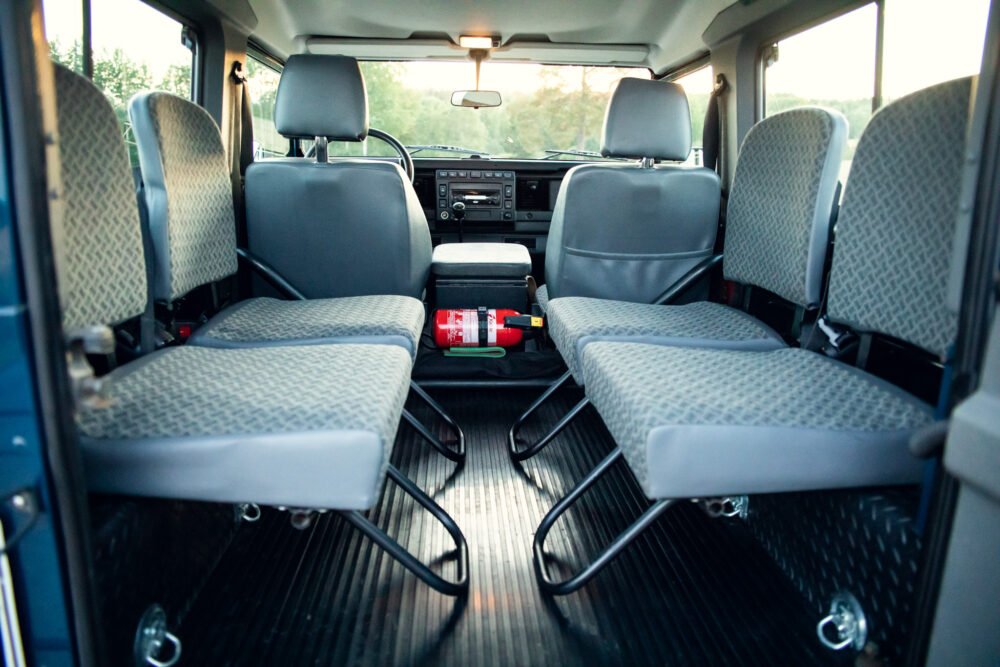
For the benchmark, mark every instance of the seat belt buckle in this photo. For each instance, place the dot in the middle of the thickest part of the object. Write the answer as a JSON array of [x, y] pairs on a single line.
[[838, 338]]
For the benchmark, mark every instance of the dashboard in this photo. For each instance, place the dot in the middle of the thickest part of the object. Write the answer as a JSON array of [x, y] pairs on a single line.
[[504, 201]]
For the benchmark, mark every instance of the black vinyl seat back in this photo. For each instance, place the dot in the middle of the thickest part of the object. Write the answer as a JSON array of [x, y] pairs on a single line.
[[343, 228], [629, 231]]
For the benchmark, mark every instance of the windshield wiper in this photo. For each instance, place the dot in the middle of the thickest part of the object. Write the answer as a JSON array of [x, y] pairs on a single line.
[[446, 149], [552, 153]]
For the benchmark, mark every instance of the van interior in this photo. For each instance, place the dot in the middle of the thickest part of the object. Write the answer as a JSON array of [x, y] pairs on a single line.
[[612, 332]]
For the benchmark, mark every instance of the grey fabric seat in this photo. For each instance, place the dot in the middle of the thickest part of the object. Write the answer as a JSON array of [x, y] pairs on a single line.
[[852, 427], [700, 423], [629, 231], [308, 427], [274, 425], [192, 229], [392, 320], [777, 231], [345, 228], [575, 322], [293, 426]]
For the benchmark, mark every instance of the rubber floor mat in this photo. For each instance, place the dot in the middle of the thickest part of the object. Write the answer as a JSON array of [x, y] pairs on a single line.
[[690, 591]]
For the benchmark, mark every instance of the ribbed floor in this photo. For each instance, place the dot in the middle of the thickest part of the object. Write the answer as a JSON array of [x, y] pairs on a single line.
[[690, 591]]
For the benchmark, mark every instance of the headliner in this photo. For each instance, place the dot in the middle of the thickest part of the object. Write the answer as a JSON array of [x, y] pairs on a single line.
[[651, 33]]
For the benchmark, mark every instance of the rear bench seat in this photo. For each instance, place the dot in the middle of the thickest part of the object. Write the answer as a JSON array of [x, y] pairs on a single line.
[[777, 233], [299, 426], [701, 423]]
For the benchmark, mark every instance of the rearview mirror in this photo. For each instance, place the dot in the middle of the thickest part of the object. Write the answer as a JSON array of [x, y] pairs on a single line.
[[475, 98]]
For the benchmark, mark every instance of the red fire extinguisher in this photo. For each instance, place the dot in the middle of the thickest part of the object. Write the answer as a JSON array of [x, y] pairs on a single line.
[[483, 327]]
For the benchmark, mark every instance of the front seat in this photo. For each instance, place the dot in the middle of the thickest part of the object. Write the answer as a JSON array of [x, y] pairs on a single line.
[[630, 231], [350, 227]]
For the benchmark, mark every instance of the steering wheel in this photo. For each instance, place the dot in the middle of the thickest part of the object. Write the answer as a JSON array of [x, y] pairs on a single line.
[[399, 148]]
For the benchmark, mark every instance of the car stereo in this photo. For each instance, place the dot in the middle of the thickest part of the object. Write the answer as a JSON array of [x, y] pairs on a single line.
[[488, 196]]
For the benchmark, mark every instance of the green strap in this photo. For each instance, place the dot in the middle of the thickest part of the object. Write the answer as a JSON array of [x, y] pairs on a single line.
[[476, 352]]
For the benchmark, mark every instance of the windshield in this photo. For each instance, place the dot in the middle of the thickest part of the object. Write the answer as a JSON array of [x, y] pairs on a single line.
[[551, 108]]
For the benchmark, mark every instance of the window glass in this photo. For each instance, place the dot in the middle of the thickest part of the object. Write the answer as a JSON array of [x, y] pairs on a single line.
[[927, 42], [64, 30], [548, 111], [262, 81], [698, 87], [137, 48], [831, 65]]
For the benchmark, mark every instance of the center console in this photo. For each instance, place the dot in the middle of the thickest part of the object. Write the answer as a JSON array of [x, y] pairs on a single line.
[[470, 275], [484, 196]]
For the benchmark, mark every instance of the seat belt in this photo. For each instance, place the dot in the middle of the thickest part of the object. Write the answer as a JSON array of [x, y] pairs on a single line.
[[241, 160], [711, 153], [711, 131]]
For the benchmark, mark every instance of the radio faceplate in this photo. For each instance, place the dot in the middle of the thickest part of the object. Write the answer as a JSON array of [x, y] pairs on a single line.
[[488, 195]]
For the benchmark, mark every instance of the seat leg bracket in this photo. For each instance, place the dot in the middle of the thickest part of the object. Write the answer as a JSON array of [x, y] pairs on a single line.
[[576, 581]]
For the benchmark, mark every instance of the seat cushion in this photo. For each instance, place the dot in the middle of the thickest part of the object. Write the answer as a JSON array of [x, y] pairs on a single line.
[[381, 320], [575, 322], [696, 423], [308, 426]]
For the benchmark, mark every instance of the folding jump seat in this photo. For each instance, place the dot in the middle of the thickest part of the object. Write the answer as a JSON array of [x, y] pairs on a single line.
[[777, 233], [298, 426], [187, 192], [700, 423]]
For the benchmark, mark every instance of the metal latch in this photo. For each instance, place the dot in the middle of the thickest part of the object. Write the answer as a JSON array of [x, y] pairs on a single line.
[[88, 390], [249, 512], [845, 626], [152, 636], [728, 507]]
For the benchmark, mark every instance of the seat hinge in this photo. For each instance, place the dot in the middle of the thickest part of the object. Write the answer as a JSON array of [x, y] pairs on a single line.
[[89, 391]]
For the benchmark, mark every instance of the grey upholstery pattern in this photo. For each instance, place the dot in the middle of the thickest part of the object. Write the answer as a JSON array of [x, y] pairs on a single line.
[[481, 260], [575, 322], [542, 297], [322, 96], [695, 423], [647, 118], [623, 232], [348, 228], [896, 227], [307, 426], [103, 276], [781, 201], [393, 320], [188, 191]]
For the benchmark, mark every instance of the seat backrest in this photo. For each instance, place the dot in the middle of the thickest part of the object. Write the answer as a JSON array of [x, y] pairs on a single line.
[[781, 202], [342, 228], [103, 272], [188, 193], [893, 250], [629, 231]]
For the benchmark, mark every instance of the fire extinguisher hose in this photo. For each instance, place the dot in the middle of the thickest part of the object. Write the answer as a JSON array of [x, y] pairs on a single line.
[[476, 352]]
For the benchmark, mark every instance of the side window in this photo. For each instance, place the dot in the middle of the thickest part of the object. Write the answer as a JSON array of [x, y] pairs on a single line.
[[800, 70], [927, 43], [133, 47], [698, 87], [834, 64], [64, 30], [263, 79]]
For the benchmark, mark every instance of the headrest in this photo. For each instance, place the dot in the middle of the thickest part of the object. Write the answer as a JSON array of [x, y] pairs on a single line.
[[647, 119], [322, 96]]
